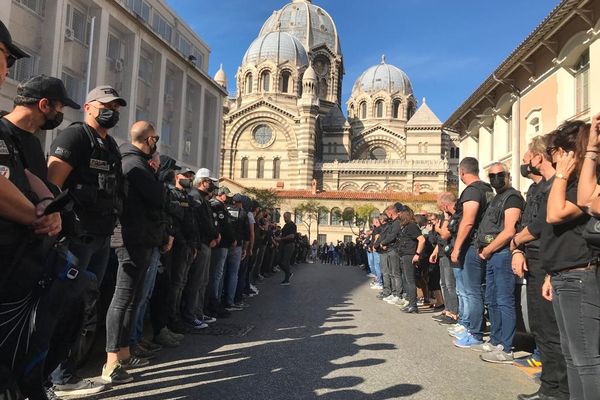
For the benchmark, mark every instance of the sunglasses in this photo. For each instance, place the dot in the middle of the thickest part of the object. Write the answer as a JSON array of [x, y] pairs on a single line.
[[499, 175], [10, 59], [156, 138]]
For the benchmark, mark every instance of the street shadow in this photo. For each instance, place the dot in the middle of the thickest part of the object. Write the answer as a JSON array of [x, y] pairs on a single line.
[[289, 355]]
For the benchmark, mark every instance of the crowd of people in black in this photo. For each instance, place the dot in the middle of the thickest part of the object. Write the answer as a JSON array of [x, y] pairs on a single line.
[[481, 245], [94, 219]]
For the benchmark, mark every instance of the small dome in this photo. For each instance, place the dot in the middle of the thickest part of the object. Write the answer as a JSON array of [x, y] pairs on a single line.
[[309, 23], [278, 47], [309, 74], [220, 77], [385, 77]]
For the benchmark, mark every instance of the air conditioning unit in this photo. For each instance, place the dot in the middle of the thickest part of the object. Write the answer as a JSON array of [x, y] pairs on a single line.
[[118, 65], [69, 34]]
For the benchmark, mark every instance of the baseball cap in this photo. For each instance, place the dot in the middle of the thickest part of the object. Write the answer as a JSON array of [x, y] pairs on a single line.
[[105, 94], [167, 162], [224, 190], [205, 173], [186, 170], [10, 46], [400, 207], [46, 87]]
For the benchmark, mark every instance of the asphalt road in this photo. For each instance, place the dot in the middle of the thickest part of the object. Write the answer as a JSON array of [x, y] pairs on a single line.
[[324, 337]]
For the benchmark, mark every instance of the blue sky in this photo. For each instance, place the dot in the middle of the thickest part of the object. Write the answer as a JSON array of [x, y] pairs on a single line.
[[447, 48]]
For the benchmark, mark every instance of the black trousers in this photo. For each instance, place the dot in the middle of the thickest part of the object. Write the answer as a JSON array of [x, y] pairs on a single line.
[[408, 269], [542, 321]]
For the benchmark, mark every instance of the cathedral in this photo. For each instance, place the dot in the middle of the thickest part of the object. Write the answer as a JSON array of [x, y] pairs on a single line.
[[286, 130]]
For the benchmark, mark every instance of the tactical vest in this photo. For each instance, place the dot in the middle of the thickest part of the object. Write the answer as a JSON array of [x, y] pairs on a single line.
[[487, 193], [493, 220], [101, 198], [238, 218], [12, 168]]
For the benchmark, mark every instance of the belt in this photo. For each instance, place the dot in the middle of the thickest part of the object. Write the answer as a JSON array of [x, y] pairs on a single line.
[[592, 265]]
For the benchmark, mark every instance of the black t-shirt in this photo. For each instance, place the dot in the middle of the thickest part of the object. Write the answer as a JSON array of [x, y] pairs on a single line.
[[32, 152], [533, 209], [407, 240], [514, 202], [472, 193], [562, 245], [288, 229]]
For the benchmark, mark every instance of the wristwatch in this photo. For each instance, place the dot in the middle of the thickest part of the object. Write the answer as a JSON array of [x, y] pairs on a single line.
[[560, 176]]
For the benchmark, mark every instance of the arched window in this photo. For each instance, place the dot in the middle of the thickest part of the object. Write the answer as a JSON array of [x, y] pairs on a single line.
[[349, 215], [425, 145], [379, 108], [323, 218], [285, 81], [248, 83], [363, 110], [323, 88], [420, 147], [582, 80], [457, 152], [336, 216], [396, 109], [260, 168], [265, 79], [410, 111], [451, 152], [276, 168], [298, 216], [351, 111], [244, 169]]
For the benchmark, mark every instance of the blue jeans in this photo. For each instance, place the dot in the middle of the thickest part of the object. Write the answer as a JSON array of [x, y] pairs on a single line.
[[473, 278], [217, 265], [375, 258], [232, 268], [576, 301], [370, 262], [462, 298], [137, 332], [500, 299]]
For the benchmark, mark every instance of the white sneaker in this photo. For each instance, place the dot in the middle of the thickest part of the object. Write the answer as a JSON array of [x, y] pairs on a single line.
[[392, 299], [376, 287], [254, 288], [371, 275], [458, 328], [388, 297]]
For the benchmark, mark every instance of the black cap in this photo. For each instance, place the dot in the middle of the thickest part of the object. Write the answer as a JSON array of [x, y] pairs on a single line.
[[167, 163], [400, 207], [46, 87], [7, 40]]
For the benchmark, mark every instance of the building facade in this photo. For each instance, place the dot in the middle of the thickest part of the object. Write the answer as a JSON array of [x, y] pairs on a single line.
[[285, 126], [552, 77], [141, 48]]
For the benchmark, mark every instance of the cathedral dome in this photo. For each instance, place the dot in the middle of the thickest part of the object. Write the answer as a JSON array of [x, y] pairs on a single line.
[[278, 47], [309, 23], [385, 77]]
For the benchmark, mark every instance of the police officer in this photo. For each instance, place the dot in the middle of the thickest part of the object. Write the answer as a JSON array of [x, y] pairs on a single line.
[[185, 248], [219, 254], [195, 290], [527, 262], [23, 249], [85, 159], [393, 267], [496, 230]]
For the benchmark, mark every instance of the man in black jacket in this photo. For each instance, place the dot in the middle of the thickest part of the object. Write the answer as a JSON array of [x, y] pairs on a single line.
[[143, 229], [193, 295], [219, 253]]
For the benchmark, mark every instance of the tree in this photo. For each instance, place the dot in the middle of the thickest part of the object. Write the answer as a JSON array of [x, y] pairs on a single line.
[[363, 215], [267, 198], [349, 217], [310, 213]]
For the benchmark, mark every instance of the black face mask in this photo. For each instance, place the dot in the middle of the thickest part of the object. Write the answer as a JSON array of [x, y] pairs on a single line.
[[107, 118], [185, 183], [525, 170], [534, 170], [53, 122], [497, 182], [152, 149]]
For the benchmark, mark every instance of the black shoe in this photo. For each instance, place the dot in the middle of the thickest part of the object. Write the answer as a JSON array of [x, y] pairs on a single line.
[[439, 317], [285, 283], [447, 320], [411, 310]]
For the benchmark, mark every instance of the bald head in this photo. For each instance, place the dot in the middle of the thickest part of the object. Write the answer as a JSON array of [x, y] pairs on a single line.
[[140, 131]]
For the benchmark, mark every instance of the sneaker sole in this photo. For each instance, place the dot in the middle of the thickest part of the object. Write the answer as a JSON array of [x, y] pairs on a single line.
[[463, 346], [497, 361], [119, 382], [79, 392]]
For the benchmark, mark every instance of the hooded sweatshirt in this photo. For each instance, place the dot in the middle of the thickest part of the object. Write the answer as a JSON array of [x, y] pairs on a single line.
[[143, 221]]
